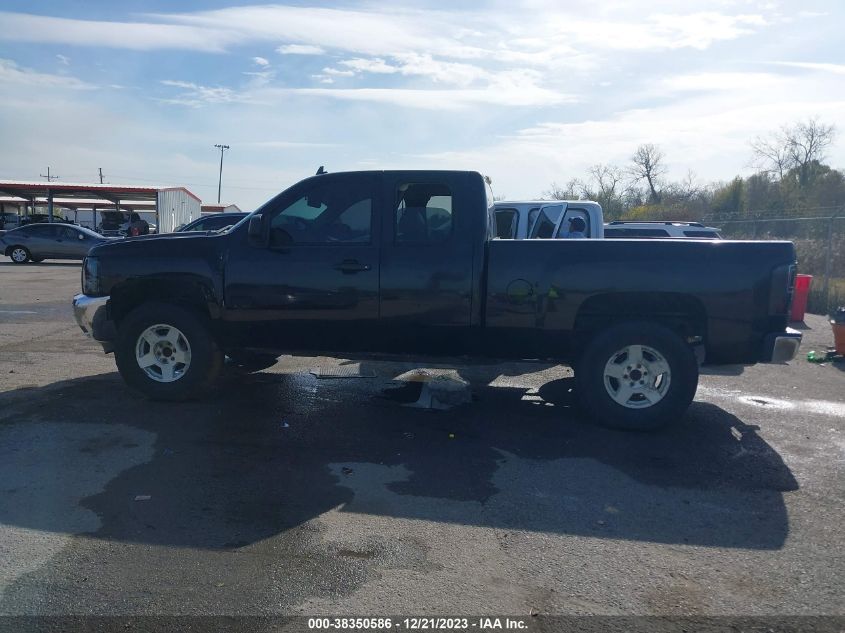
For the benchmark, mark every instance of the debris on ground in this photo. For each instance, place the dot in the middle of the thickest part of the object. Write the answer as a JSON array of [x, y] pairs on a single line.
[[342, 372], [143, 497], [826, 356], [442, 392]]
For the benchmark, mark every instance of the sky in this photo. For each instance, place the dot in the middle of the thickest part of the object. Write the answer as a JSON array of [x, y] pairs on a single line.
[[528, 92]]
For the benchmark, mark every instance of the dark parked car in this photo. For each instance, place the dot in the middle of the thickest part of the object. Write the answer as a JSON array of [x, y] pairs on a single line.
[[43, 240], [405, 262], [213, 222], [35, 218]]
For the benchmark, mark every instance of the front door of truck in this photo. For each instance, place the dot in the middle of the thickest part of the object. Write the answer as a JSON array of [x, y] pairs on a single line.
[[426, 264], [314, 286]]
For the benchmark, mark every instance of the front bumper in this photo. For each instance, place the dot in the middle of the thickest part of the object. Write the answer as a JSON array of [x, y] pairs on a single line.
[[91, 314], [780, 347]]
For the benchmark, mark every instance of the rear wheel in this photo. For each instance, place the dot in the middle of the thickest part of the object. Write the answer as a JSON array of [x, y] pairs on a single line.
[[637, 376], [19, 254], [167, 352]]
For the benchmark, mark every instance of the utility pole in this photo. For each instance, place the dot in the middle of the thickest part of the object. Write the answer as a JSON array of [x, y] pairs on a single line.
[[48, 176], [222, 148], [101, 175]]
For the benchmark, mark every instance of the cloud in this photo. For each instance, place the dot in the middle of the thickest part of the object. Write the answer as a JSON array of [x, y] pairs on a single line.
[[338, 73], [63, 60], [12, 74], [144, 36], [837, 69], [260, 61], [498, 35], [375, 65], [431, 99], [719, 81], [196, 95], [300, 49], [422, 65]]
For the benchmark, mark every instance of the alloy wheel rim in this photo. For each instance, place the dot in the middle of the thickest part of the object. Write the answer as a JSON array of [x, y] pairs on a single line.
[[163, 353], [637, 377], [19, 255]]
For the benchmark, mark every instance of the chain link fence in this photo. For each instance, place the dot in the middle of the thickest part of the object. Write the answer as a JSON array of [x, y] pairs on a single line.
[[819, 237]]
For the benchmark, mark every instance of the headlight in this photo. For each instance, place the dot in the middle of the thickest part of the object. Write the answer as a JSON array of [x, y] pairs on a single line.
[[91, 276]]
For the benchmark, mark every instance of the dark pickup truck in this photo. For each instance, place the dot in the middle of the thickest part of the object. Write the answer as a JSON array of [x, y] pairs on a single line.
[[404, 262]]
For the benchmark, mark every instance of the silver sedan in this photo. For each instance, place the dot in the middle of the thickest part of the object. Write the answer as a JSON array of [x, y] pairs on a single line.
[[41, 241]]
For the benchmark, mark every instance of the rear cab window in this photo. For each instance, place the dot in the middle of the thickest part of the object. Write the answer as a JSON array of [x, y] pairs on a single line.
[[422, 213]]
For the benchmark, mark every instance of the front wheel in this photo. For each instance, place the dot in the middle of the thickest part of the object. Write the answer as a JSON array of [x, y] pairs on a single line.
[[167, 352], [637, 376], [19, 254]]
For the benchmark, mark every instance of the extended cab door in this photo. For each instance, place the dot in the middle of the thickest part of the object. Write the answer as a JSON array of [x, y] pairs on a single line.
[[314, 284], [427, 262]]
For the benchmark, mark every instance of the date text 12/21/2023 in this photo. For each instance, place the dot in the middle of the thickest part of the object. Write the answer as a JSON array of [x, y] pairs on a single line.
[[418, 623]]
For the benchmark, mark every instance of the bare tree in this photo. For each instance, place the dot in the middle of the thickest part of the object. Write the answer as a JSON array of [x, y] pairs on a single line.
[[610, 189], [793, 147], [770, 155], [648, 165], [807, 143], [573, 190], [608, 179]]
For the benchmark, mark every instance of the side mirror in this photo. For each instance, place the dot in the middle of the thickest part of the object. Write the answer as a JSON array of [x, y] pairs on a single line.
[[255, 231]]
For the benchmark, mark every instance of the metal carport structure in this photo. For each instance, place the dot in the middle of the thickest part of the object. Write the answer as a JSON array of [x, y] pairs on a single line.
[[172, 206]]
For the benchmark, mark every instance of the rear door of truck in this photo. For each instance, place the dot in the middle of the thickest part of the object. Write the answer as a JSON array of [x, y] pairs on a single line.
[[427, 256]]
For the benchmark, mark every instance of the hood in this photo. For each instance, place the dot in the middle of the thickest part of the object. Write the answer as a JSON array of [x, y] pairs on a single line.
[[170, 243]]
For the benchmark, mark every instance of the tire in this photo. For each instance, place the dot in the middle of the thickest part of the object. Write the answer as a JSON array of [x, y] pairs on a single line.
[[180, 358], [19, 254], [661, 379]]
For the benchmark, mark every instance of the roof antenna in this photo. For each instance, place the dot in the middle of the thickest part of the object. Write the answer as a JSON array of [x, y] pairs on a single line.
[[322, 170]]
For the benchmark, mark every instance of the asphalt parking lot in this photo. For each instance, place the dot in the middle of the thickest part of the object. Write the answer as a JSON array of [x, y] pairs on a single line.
[[285, 493]]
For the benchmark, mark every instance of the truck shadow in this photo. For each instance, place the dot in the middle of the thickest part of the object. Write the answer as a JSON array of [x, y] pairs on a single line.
[[271, 452]]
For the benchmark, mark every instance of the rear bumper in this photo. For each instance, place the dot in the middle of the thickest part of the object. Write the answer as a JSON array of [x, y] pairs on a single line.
[[91, 315], [780, 347]]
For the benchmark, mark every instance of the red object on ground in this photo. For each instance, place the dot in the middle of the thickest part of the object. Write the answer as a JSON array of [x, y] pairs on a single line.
[[838, 338], [799, 299]]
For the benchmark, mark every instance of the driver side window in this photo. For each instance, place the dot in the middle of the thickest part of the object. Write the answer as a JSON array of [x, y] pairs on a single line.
[[328, 214]]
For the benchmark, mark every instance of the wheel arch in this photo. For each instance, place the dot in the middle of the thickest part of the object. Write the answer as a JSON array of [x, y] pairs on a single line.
[[682, 313], [187, 293]]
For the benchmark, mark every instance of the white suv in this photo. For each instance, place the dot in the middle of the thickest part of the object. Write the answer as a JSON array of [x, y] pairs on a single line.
[[639, 230]]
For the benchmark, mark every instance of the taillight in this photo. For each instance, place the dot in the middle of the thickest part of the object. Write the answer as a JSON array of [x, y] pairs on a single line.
[[782, 289]]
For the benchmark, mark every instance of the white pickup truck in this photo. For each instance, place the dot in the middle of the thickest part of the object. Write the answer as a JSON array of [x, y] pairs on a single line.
[[519, 220]]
